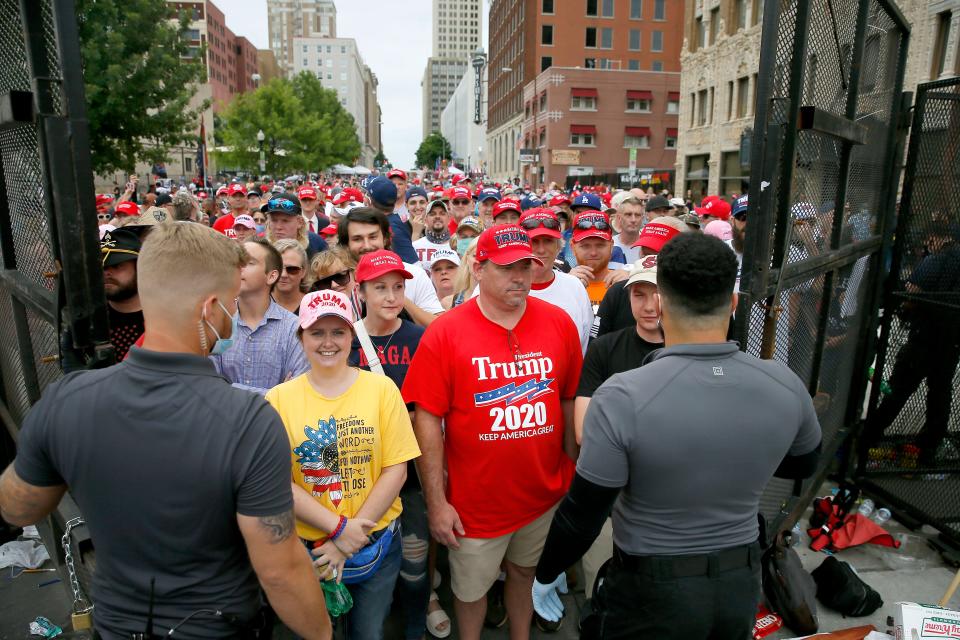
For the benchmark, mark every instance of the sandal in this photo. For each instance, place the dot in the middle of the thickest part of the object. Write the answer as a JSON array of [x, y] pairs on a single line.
[[436, 618]]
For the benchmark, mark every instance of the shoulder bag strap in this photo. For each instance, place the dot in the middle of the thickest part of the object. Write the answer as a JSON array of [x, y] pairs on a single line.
[[367, 345]]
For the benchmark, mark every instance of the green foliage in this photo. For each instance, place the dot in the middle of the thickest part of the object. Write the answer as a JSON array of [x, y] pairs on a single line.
[[299, 118], [433, 146], [138, 83]]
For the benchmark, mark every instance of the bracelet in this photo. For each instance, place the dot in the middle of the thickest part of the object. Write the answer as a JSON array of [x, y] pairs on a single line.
[[340, 527]]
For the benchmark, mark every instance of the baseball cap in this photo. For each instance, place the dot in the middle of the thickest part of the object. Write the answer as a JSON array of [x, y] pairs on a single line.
[[235, 187], [127, 208], [119, 245], [245, 221], [620, 197], [719, 209], [162, 199], [458, 193], [150, 218], [587, 200], [254, 192], [307, 192], [658, 202], [221, 191], [599, 226], [489, 193], [505, 244], [506, 205], [382, 191], [319, 304], [397, 173], [678, 202], [529, 202], [377, 263], [740, 207], [654, 236], [719, 229], [703, 203], [559, 200], [413, 192], [329, 230], [104, 200], [448, 255], [471, 222], [691, 219], [643, 270], [436, 203], [540, 222], [202, 195], [283, 203]]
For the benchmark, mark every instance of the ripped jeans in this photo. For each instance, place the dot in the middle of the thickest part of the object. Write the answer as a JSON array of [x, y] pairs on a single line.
[[414, 584]]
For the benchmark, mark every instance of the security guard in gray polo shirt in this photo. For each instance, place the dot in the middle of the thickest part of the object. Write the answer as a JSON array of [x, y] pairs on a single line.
[[682, 472]]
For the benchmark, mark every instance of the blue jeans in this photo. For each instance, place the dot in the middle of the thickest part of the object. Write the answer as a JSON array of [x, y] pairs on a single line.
[[414, 585], [372, 598]]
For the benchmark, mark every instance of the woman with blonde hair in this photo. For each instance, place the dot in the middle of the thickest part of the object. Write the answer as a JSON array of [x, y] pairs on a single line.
[[465, 284], [295, 278]]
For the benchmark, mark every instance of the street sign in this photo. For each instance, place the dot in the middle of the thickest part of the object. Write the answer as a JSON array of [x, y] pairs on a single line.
[[528, 156], [565, 156], [633, 160]]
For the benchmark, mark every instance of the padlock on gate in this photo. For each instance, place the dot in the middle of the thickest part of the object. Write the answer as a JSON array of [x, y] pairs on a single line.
[[82, 620], [82, 616]]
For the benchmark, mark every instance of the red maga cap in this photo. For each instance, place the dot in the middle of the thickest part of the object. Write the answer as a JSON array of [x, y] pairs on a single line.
[[505, 244]]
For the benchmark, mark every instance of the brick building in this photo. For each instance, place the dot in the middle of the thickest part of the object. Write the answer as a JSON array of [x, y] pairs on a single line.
[[530, 36]]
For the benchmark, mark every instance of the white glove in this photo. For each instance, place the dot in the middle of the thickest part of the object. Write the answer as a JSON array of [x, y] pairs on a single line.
[[546, 601]]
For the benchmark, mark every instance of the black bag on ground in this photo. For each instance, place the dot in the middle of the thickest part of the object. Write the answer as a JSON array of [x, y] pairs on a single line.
[[790, 590], [840, 589]]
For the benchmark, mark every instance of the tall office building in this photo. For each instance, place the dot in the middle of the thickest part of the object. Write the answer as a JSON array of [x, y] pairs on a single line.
[[289, 19], [457, 34]]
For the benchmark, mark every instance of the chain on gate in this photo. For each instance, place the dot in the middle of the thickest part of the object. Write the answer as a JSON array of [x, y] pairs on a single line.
[[82, 613]]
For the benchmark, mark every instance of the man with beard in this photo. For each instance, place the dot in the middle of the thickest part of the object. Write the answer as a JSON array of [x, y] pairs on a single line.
[[489, 196], [738, 223], [237, 200], [120, 249], [436, 234], [593, 248]]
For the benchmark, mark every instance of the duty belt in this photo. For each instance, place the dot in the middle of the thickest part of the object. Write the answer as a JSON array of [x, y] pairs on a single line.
[[689, 566]]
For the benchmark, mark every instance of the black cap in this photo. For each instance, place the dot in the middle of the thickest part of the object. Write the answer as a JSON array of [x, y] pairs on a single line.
[[119, 245], [658, 202], [282, 203], [162, 199]]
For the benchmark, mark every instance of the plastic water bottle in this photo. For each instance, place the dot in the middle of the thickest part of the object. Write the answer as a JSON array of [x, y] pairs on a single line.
[[338, 598], [866, 508], [883, 514]]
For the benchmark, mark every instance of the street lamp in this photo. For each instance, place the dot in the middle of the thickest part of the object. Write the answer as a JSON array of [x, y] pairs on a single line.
[[256, 80], [263, 161], [478, 62]]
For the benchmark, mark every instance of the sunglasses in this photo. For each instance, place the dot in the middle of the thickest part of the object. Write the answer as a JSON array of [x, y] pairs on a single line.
[[740, 216], [459, 202], [281, 203], [593, 223], [103, 216], [341, 279], [292, 270], [534, 223]]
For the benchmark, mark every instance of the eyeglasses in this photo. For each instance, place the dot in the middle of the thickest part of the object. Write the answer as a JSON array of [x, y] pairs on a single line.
[[593, 223], [292, 270], [103, 216], [281, 203], [534, 223], [459, 202], [341, 279]]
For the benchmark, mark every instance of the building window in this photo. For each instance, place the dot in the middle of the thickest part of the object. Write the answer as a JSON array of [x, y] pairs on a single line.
[[319, 48], [590, 63], [329, 76], [698, 174], [673, 102], [590, 39], [546, 34], [656, 66], [329, 49], [633, 65], [739, 15], [581, 140], [343, 77], [636, 9], [543, 102], [656, 41], [939, 58], [329, 63], [606, 38], [670, 140], [743, 97], [583, 103], [732, 173], [714, 24], [343, 49], [701, 33], [702, 108], [546, 62], [638, 105], [659, 10], [543, 138], [188, 165], [592, 8], [546, 7], [729, 100], [633, 41], [305, 62], [636, 142], [304, 48], [607, 8], [693, 113]]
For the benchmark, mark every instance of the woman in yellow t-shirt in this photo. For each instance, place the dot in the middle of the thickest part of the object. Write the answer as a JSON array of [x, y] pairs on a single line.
[[350, 439]]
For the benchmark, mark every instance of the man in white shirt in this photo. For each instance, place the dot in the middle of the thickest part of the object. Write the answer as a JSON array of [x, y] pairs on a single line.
[[436, 234]]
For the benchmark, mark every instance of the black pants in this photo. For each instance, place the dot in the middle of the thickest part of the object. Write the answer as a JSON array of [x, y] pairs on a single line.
[[655, 597], [922, 357]]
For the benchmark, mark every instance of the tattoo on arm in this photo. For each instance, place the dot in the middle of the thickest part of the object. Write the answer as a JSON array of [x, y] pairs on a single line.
[[280, 526]]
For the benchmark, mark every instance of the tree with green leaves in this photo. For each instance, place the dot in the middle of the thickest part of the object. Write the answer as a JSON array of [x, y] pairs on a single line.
[[304, 127], [139, 80], [433, 146]]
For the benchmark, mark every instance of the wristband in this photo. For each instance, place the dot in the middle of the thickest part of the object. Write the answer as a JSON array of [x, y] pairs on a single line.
[[340, 527]]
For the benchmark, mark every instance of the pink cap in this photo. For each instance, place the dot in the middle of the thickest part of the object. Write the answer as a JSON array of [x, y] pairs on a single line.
[[319, 304], [244, 221], [719, 229]]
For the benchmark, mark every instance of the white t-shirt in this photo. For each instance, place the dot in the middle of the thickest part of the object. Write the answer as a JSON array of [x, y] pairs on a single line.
[[568, 293], [632, 254], [420, 291], [426, 250]]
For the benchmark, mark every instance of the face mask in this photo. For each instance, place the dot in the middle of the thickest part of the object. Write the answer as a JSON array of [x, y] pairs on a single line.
[[463, 244], [222, 344], [261, 228]]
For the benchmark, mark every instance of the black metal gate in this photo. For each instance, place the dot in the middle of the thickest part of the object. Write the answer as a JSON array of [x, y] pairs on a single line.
[[823, 184], [50, 272], [909, 451]]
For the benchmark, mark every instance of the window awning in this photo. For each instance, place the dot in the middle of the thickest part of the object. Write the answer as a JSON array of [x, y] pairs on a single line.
[[583, 93], [583, 128], [671, 133], [638, 131], [674, 96], [639, 95]]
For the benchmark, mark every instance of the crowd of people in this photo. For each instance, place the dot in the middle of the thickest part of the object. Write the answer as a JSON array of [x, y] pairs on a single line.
[[329, 382]]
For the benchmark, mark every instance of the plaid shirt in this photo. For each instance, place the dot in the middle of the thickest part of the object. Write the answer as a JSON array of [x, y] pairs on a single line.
[[263, 357]]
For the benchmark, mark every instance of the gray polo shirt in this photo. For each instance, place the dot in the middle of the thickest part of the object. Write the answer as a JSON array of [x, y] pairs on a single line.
[[161, 454], [693, 438]]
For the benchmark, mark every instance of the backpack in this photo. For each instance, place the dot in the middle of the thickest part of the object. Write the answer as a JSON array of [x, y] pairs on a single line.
[[840, 589], [789, 589]]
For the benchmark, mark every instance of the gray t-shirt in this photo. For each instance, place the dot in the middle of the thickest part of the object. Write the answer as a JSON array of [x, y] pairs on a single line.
[[161, 454], [693, 438]]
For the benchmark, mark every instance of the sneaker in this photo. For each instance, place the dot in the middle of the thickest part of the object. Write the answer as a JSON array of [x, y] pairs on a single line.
[[545, 625], [496, 609]]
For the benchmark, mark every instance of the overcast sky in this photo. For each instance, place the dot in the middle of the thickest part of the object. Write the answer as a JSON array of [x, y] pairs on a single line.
[[394, 40]]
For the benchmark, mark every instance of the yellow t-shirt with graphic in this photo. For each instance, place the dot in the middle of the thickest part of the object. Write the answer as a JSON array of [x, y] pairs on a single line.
[[339, 446]]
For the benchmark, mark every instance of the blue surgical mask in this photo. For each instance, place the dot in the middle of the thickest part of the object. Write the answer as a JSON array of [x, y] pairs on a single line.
[[261, 228], [463, 244], [223, 344]]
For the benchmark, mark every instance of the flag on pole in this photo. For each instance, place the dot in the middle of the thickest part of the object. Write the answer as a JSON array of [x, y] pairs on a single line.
[[202, 154]]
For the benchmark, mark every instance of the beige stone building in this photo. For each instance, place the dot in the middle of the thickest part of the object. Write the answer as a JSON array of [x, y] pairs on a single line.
[[720, 61]]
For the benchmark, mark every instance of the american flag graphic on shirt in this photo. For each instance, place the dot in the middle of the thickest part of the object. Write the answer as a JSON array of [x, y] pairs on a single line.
[[320, 460]]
